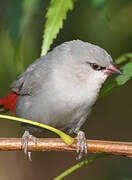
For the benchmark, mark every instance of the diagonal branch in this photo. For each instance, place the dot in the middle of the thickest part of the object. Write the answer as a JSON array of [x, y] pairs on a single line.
[[56, 144]]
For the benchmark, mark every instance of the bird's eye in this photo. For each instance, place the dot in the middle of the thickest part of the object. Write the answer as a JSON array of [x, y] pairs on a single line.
[[96, 67]]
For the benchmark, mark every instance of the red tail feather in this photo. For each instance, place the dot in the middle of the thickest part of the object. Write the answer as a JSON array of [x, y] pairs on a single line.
[[9, 102]]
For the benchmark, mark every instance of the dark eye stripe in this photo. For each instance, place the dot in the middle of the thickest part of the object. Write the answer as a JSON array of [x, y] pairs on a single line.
[[102, 67], [96, 66]]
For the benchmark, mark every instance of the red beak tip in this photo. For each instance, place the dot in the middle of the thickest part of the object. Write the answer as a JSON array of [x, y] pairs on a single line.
[[113, 70]]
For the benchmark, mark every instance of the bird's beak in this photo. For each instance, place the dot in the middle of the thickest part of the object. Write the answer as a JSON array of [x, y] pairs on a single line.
[[112, 70]]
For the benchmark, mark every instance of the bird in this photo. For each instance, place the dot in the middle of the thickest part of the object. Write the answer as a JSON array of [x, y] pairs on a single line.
[[60, 88]]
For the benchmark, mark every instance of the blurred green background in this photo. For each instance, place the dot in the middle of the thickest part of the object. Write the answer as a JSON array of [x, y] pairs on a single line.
[[107, 24]]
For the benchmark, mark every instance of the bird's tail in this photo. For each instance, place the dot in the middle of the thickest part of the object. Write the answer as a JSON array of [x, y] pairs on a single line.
[[9, 102]]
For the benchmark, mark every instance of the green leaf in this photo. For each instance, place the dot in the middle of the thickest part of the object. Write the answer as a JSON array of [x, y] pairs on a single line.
[[79, 165], [124, 58], [107, 88], [127, 74], [119, 80], [56, 14]]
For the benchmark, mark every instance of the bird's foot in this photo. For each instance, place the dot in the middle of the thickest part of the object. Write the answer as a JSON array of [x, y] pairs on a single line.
[[24, 143], [81, 144]]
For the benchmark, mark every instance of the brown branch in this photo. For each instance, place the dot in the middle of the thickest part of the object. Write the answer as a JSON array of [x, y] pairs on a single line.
[[56, 144]]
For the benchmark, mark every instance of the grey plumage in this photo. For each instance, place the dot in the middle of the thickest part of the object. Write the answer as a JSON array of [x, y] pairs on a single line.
[[60, 88]]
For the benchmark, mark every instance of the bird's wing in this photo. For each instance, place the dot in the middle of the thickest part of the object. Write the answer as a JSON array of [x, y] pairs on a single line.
[[31, 79]]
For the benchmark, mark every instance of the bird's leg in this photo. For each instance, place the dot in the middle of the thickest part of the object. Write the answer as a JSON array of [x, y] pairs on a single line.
[[25, 138], [81, 144]]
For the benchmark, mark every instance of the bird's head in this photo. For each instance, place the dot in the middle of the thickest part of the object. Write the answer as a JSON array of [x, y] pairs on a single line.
[[87, 59], [84, 64]]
